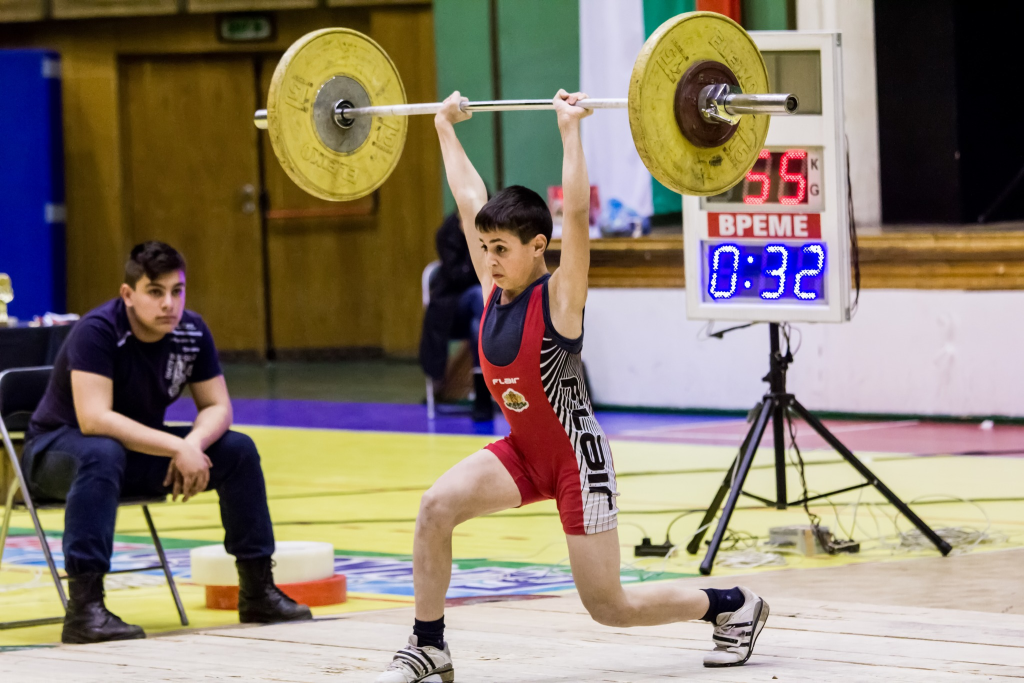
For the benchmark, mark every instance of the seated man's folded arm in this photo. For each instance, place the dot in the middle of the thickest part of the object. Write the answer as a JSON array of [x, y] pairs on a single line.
[[94, 407], [215, 413]]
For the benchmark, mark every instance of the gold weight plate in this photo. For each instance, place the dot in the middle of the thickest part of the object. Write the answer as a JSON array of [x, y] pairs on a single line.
[[668, 53], [314, 63]]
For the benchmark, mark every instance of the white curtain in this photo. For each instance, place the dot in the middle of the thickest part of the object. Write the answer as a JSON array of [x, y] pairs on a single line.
[[611, 35]]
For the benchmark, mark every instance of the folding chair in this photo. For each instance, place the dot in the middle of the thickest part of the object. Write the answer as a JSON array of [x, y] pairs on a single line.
[[428, 274], [21, 390]]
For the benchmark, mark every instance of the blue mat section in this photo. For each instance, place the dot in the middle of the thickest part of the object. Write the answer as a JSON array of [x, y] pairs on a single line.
[[405, 418]]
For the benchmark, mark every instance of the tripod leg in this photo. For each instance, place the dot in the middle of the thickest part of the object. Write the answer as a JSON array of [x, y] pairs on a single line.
[[746, 460], [816, 425], [779, 435], [712, 510]]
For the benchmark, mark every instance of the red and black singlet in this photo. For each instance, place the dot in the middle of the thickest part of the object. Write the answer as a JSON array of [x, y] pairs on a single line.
[[556, 448]]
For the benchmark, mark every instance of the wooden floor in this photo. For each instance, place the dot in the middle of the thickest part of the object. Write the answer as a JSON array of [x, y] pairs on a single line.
[[807, 639]]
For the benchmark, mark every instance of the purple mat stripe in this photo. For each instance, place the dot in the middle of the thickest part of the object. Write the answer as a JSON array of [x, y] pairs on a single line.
[[398, 417]]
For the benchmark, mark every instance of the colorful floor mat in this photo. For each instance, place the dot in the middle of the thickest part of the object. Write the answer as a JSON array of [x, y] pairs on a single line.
[[359, 489]]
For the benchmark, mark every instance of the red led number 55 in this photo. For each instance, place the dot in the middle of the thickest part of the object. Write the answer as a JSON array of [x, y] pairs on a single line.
[[764, 179]]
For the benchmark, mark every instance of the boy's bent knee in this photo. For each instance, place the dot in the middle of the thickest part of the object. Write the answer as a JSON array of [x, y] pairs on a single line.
[[615, 613], [436, 510]]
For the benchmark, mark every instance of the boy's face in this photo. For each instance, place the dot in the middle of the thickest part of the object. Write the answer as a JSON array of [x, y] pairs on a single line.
[[510, 262], [157, 304]]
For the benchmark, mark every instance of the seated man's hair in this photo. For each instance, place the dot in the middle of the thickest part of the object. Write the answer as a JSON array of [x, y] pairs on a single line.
[[152, 259], [519, 210]]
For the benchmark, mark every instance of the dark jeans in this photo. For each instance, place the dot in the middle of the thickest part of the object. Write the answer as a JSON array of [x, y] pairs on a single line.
[[467, 320], [93, 473]]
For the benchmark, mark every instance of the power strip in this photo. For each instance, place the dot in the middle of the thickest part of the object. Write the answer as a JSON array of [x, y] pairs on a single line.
[[648, 549]]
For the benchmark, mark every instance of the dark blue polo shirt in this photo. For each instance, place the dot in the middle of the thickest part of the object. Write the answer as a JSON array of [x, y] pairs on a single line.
[[147, 377]]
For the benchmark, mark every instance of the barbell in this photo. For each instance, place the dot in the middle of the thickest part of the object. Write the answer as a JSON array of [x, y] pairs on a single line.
[[698, 108]]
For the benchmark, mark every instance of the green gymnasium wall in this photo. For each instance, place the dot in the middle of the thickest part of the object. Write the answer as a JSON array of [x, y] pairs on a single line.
[[769, 15], [538, 52], [657, 12], [462, 39], [539, 49]]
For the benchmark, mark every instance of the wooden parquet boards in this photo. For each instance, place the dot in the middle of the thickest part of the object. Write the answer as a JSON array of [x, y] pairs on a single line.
[[555, 640]]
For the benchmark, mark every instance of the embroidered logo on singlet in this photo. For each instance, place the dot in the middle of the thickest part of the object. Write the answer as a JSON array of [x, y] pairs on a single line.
[[507, 380], [515, 401]]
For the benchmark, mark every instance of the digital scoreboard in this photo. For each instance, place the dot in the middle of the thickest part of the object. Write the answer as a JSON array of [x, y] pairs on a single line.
[[776, 246]]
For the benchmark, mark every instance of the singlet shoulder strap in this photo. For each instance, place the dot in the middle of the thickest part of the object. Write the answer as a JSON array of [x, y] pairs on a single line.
[[570, 345]]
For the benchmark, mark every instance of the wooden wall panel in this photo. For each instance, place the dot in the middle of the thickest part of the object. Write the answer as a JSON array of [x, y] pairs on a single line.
[[358, 3], [410, 201], [384, 252], [322, 262], [97, 241], [22, 10], [890, 260], [191, 167], [89, 9], [96, 244], [248, 5]]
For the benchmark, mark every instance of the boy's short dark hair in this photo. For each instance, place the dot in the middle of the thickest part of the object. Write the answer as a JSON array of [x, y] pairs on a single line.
[[152, 259], [519, 210]]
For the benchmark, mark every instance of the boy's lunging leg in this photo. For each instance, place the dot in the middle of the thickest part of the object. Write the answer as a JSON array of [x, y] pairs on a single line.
[[737, 614], [477, 486]]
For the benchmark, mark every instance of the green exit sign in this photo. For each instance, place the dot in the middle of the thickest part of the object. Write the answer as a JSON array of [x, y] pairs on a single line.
[[246, 28]]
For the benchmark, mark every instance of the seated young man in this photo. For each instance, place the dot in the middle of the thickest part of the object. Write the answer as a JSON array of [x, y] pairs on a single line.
[[531, 338], [98, 435], [456, 304]]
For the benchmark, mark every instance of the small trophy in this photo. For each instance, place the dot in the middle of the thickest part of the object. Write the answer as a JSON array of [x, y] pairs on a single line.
[[6, 297]]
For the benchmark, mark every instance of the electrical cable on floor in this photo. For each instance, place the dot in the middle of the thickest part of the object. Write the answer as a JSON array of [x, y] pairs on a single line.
[[750, 558], [963, 539]]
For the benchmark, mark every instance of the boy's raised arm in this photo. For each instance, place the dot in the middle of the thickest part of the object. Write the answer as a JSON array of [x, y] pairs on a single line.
[[466, 184], [570, 280]]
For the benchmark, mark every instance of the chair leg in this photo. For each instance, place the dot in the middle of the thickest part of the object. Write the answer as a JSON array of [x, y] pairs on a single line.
[[166, 567], [45, 546], [430, 399], [8, 508]]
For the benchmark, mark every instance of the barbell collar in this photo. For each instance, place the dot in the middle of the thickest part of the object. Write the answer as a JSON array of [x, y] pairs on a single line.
[[771, 103], [260, 119]]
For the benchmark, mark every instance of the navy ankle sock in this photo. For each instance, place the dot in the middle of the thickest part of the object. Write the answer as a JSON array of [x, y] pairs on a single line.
[[431, 633], [722, 601]]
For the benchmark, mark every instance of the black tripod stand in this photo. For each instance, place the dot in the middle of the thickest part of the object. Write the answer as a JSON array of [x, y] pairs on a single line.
[[774, 406]]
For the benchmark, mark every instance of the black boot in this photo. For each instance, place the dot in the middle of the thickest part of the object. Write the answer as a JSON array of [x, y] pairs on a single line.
[[483, 408], [87, 619], [259, 600]]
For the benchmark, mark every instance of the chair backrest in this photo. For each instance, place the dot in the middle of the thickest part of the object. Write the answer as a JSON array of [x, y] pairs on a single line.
[[428, 275], [21, 390]]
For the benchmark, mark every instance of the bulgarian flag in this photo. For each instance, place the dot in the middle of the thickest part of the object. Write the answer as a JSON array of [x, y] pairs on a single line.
[[612, 32]]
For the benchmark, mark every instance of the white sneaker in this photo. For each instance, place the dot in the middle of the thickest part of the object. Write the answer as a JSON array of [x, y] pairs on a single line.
[[415, 664], [736, 632]]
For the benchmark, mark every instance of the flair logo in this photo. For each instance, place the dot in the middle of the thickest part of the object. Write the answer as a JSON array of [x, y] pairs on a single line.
[[515, 401], [507, 380]]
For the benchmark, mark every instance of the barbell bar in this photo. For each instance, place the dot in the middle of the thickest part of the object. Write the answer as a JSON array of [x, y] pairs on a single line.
[[734, 103], [698, 108]]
